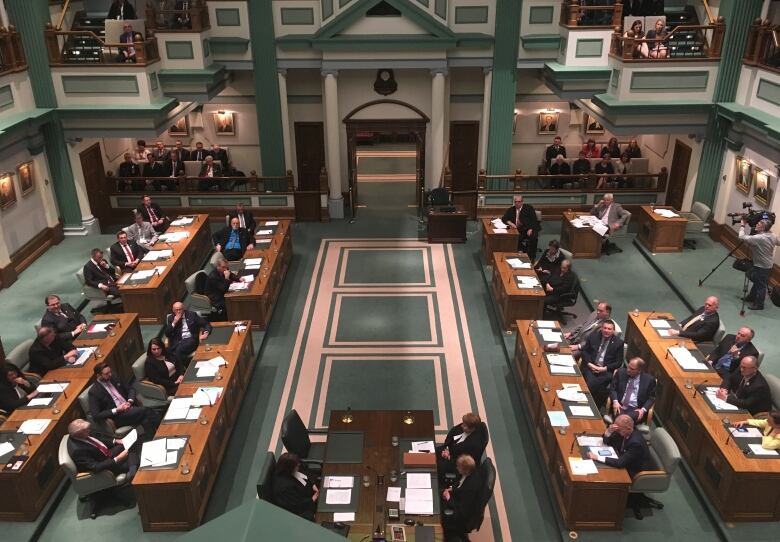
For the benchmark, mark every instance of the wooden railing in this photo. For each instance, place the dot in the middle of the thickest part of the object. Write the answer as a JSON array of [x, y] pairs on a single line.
[[655, 182], [630, 49], [574, 15], [59, 44], [194, 19], [250, 185], [11, 51], [763, 46]]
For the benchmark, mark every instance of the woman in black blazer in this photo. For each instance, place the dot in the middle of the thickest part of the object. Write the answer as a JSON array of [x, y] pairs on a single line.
[[469, 437], [293, 490], [159, 369], [15, 390], [462, 498]]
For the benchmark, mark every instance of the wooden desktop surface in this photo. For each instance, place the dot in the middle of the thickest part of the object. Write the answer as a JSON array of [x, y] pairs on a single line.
[[496, 242], [658, 233], [119, 349], [515, 303], [581, 242]]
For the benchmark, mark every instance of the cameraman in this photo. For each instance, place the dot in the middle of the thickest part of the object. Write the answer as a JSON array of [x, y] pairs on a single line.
[[762, 245]]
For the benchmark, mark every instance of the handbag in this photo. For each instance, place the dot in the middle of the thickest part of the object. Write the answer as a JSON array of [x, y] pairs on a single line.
[[743, 264]]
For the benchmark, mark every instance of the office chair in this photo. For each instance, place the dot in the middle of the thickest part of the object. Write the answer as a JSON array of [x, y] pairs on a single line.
[[774, 390], [568, 299], [151, 394], [295, 437], [698, 222], [105, 302], [707, 347], [666, 457], [106, 427], [265, 488], [20, 357], [439, 196], [197, 300], [610, 247]]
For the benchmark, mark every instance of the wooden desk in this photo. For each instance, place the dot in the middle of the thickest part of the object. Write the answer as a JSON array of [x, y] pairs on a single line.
[[581, 242], [497, 242], [169, 500], [153, 300], [119, 349], [586, 502], [258, 302], [741, 488], [378, 427], [515, 303], [660, 234], [447, 227]]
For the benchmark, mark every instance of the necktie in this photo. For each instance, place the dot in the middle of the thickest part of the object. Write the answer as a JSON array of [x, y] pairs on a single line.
[[241, 221], [99, 445], [128, 254], [602, 351], [152, 215], [693, 321], [630, 389], [173, 170], [517, 217], [209, 172], [114, 393]]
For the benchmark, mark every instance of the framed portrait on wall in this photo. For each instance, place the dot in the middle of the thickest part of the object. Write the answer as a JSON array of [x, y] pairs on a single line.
[[26, 179], [548, 122], [762, 192], [224, 123], [593, 126], [743, 176], [7, 190], [181, 128]]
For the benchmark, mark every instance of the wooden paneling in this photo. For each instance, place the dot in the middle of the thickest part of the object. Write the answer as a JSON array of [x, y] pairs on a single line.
[[29, 252]]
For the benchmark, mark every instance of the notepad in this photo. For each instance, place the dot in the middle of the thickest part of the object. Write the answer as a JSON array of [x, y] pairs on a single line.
[[558, 418], [48, 387], [580, 410], [746, 432], [757, 449], [561, 359], [660, 324], [34, 426], [418, 480], [541, 324], [336, 482], [550, 336], [237, 286], [343, 516], [40, 401], [562, 370], [182, 221], [582, 467], [338, 496], [394, 494], [423, 446]]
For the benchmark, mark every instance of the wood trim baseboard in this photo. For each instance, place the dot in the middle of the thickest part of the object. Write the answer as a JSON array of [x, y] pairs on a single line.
[[730, 239], [29, 252]]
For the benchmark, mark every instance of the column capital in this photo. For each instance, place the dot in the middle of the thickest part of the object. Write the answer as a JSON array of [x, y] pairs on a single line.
[[281, 71], [487, 69], [439, 71], [327, 72]]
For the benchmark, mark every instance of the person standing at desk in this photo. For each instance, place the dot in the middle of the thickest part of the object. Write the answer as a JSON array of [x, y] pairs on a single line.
[[770, 429], [747, 389], [462, 498], [702, 325], [184, 329], [603, 353], [762, 246], [49, 352], [469, 438], [293, 490], [523, 219], [63, 319]]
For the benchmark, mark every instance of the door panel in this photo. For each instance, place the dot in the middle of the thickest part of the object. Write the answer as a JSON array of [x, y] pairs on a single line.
[[678, 175], [97, 187], [310, 154], [464, 152]]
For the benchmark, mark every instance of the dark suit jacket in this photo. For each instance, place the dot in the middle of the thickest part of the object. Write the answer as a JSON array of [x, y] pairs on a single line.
[[552, 153], [474, 445], [290, 494], [633, 454], [223, 236], [701, 330], [63, 325], [129, 169], [528, 220], [114, 11], [464, 500], [216, 169], [119, 258], [723, 347], [220, 156], [217, 285], [156, 371], [9, 399], [44, 359], [580, 166], [613, 357], [194, 322], [184, 154], [604, 168], [199, 154], [89, 458], [168, 168], [94, 275], [645, 395], [560, 169], [551, 266], [754, 396], [145, 212], [100, 402], [153, 169], [249, 220], [561, 284]]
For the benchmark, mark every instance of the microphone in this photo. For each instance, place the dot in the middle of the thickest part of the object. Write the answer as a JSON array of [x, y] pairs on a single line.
[[667, 354], [530, 326], [223, 357], [699, 387], [190, 447], [574, 441], [648, 317], [554, 398], [62, 388]]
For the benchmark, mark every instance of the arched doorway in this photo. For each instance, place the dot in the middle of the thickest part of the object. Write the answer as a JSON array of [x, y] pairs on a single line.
[[379, 119]]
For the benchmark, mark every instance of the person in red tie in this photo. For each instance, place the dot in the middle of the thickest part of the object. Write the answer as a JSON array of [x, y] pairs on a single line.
[[522, 217], [125, 254], [153, 214], [97, 453]]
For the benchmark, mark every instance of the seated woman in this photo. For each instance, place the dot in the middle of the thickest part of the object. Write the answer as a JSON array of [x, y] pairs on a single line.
[[612, 148], [637, 33], [293, 490], [655, 46], [550, 261], [602, 168], [624, 167], [462, 499], [590, 149], [633, 149], [15, 390], [770, 429], [160, 370]]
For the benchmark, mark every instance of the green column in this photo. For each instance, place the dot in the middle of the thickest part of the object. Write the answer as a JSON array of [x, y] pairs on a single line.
[[267, 101], [30, 18], [738, 15], [502, 96]]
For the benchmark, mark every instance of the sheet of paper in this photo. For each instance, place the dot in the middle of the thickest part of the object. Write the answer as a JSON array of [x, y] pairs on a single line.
[[98, 328], [344, 516], [541, 324], [253, 261], [581, 467], [600, 228], [558, 418], [569, 394], [566, 386], [83, 356], [271, 223], [49, 387], [193, 413], [418, 480], [175, 443], [153, 453], [264, 232], [719, 404], [181, 402], [238, 286], [517, 263], [182, 221], [580, 410], [660, 324], [338, 496], [142, 274], [423, 446], [588, 441], [34, 426], [562, 370], [40, 401], [746, 432], [7, 447], [252, 267], [394, 494], [419, 508], [757, 449], [160, 269], [206, 371], [551, 336], [336, 482], [561, 359], [664, 333], [176, 414], [171, 457], [499, 231], [418, 495], [206, 396], [130, 439]]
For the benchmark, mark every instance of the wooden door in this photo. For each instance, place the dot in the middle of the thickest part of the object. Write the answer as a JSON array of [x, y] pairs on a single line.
[[310, 154], [97, 187], [464, 152], [678, 175]]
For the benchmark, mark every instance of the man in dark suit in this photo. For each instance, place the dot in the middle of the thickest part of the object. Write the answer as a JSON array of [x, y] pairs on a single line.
[[49, 352], [217, 285], [629, 444], [731, 350], [220, 155], [592, 324], [603, 353], [184, 329], [554, 150], [63, 319], [233, 241], [152, 168], [632, 391], [127, 54], [98, 453], [245, 218], [153, 214], [702, 325], [130, 169], [98, 274], [111, 399], [559, 167], [523, 219], [121, 9], [462, 498], [559, 283], [173, 167], [469, 437], [199, 154], [208, 171], [747, 388], [125, 254], [184, 154]]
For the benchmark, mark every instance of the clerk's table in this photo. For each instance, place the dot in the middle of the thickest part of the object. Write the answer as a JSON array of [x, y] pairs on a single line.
[[661, 229], [581, 242]]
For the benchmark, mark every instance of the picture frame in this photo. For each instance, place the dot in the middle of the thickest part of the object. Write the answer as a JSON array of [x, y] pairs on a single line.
[[743, 176], [7, 190], [762, 191], [593, 126], [224, 123], [181, 128], [26, 176], [548, 123]]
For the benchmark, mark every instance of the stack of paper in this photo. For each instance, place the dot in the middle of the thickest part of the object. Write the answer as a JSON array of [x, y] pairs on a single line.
[[685, 359], [264, 232], [719, 404], [338, 496], [142, 274], [271, 223], [584, 221], [40, 401], [156, 453], [423, 446], [253, 263], [181, 408], [581, 410], [34, 426], [517, 263], [153, 255], [239, 327], [336, 482], [563, 370], [174, 236], [238, 286], [206, 396], [746, 432], [394, 494], [545, 324], [49, 387], [561, 359], [588, 441], [660, 323], [600, 228], [581, 467], [182, 221], [550, 336], [666, 213], [418, 480], [558, 418], [418, 501], [84, 354], [757, 449], [527, 282], [98, 328], [572, 395]]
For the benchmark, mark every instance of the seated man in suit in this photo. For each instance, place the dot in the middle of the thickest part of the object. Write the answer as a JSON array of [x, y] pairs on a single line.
[[602, 354], [702, 325], [153, 214], [469, 438], [49, 352], [173, 168], [523, 219], [94, 454], [152, 168], [217, 285], [581, 165], [559, 167], [559, 283], [159, 151], [111, 399], [747, 388], [127, 54], [129, 169], [184, 154], [462, 498], [611, 215], [98, 274], [199, 154], [208, 171], [591, 324], [220, 155], [15, 390], [184, 329], [233, 241], [141, 232], [731, 350], [125, 254], [632, 390], [63, 319], [245, 218]]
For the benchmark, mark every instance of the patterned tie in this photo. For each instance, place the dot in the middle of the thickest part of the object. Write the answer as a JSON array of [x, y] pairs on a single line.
[[100, 446], [630, 388], [114, 393], [152, 214], [693, 321], [128, 254]]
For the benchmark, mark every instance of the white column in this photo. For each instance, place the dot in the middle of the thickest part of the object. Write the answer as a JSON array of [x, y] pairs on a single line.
[[438, 101], [485, 125], [282, 76], [332, 141]]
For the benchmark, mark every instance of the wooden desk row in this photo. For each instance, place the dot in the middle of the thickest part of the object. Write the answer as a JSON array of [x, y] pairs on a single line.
[[740, 487], [515, 303], [24, 493]]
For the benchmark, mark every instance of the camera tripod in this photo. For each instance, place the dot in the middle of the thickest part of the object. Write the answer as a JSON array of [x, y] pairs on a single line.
[[745, 283]]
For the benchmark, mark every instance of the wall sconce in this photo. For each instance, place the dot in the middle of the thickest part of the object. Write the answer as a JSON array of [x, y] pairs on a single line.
[[514, 121]]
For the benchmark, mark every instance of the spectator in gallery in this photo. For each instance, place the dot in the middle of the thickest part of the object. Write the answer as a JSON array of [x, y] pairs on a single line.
[[581, 166], [141, 153], [554, 150], [590, 149], [184, 154], [152, 168], [127, 54], [656, 47], [559, 167], [633, 149], [208, 171], [159, 151], [612, 148], [636, 33], [604, 168], [624, 168], [199, 154], [129, 169]]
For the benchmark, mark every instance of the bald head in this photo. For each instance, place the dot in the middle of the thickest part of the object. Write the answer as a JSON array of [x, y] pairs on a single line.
[[624, 425]]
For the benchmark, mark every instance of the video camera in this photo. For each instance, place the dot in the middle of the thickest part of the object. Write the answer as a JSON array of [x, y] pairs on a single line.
[[751, 217]]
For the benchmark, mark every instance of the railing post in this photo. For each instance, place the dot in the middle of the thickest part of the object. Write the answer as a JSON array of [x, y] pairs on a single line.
[[752, 40], [481, 179], [195, 15], [447, 176], [717, 36], [517, 180], [627, 45], [16, 45], [151, 20], [617, 14], [574, 12], [52, 44], [140, 49]]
